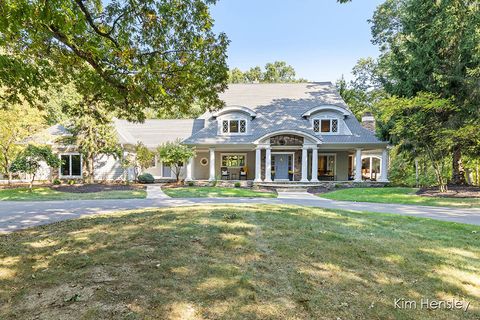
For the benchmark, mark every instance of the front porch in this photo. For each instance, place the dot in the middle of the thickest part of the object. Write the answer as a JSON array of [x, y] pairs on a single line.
[[289, 158]]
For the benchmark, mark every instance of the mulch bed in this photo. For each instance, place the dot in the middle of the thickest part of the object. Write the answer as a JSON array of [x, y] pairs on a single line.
[[87, 188], [453, 192]]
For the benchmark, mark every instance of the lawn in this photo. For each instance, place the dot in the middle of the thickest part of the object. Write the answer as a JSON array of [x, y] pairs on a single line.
[[239, 262], [45, 193], [398, 195], [214, 192]]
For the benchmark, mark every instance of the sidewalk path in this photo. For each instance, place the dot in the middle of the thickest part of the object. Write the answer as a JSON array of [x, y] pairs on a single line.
[[155, 192], [15, 215]]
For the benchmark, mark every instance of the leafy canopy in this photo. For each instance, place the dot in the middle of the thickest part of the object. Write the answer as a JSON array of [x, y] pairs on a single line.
[[133, 55], [175, 154]]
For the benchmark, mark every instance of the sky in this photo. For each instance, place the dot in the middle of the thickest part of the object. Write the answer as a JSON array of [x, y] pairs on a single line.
[[321, 39]]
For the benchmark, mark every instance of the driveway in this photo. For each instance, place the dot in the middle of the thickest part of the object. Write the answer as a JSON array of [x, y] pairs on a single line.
[[15, 215]]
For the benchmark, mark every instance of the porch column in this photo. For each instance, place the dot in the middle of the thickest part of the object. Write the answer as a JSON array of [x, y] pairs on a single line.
[[189, 176], [268, 164], [304, 164], [358, 165], [212, 165], [314, 165], [384, 168], [258, 165]]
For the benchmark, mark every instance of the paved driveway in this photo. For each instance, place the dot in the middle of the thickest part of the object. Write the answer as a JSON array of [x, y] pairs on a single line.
[[15, 215]]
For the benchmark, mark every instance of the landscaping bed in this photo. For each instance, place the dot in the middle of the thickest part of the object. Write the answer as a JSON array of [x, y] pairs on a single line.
[[453, 192], [239, 262]]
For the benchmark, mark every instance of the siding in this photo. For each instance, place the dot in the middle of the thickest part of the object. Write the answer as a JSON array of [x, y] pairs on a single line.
[[107, 168]]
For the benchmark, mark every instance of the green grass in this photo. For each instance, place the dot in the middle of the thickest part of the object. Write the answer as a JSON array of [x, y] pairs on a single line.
[[398, 195], [214, 192], [238, 262], [43, 194]]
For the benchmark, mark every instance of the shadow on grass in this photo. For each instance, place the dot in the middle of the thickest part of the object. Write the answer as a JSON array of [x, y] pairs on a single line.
[[244, 262]]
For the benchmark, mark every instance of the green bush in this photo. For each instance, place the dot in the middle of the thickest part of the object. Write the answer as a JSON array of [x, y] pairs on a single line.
[[191, 183], [57, 182], [71, 182], [237, 185], [146, 178]]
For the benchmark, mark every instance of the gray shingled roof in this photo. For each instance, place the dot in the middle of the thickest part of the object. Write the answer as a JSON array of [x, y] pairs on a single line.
[[280, 107], [154, 132]]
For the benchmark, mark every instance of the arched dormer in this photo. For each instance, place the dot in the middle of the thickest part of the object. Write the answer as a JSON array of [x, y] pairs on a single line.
[[235, 109], [326, 107]]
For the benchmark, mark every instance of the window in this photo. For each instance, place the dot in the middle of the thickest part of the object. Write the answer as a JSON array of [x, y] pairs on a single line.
[[234, 126], [326, 165], [233, 160], [325, 125], [154, 162], [71, 165]]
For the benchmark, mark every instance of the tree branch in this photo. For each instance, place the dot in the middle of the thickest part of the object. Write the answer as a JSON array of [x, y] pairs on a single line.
[[90, 21]]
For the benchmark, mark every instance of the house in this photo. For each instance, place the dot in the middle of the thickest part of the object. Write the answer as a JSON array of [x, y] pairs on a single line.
[[266, 133]]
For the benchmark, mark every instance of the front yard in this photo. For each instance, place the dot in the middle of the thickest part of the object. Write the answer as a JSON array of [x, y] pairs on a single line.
[[47, 193], [239, 262], [216, 192], [398, 195]]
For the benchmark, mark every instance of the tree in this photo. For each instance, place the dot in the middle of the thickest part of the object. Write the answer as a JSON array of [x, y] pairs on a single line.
[[278, 71], [254, 75], [236, 76], [175, 154], [30, 160], [416, 125], [432, 46], [134, 55], [17, 122], [144, 156], [93, 134]]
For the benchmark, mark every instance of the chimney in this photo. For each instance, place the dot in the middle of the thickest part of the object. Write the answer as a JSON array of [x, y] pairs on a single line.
[[368, 121]]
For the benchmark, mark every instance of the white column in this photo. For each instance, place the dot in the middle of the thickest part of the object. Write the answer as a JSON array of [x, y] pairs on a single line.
[[268, 164], [384, 166], [304, 165], [358, 165], [189, 176], [258, 165], [314, 165], [212, 165]]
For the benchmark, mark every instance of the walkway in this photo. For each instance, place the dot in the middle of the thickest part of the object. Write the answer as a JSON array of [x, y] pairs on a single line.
[[15, 215]]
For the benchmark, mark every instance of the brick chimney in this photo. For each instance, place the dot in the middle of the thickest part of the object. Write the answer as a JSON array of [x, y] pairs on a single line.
[[368, 121]]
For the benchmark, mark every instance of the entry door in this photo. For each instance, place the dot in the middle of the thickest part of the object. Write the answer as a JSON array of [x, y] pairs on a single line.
[[281, 166]]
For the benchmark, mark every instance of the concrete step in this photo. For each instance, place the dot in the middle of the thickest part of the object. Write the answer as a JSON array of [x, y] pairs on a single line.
[[291, 189]]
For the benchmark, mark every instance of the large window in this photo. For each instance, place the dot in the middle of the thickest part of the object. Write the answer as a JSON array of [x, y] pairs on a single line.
[[233, 160], [71, 165], [325, 125], [234, 126]]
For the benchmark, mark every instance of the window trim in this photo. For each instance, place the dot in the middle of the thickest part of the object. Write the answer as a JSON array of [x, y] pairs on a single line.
[[320, 125], [70, 154], [233, 154], [230, 119]]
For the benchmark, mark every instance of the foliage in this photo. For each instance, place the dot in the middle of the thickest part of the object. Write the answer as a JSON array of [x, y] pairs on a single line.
[[30, 160], [238, 184], [433, 46], [174, 155], [417, 126], [133, 55], [93, 133], [146, 178], [17, 122], [275, 72], [144, 156]]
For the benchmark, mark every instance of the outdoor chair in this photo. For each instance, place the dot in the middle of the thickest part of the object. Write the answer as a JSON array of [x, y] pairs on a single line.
[[225, 173]]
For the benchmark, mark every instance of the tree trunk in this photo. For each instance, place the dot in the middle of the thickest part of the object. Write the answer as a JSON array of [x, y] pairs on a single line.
[[91, 172], [31, 182], [416, 173], [458, 172], [10, 177], [477, 180]]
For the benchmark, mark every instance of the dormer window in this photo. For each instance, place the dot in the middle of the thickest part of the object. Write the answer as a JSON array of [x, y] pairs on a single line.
[[234, 126], [325, 125]]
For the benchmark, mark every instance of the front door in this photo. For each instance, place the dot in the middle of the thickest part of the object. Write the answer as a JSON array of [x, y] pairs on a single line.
[[281, 166]]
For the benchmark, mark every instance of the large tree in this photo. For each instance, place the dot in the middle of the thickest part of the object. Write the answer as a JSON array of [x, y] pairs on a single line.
[[17, 123], [133, 55], [275, 72], [434, 46]]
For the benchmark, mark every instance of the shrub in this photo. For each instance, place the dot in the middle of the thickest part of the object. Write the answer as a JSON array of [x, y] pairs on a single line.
[[237, 185], [191, 183], [57, 182], [146, 178], [71, 182]]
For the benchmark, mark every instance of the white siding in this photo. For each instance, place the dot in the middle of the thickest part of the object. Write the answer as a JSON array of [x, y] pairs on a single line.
[[108, 168]]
